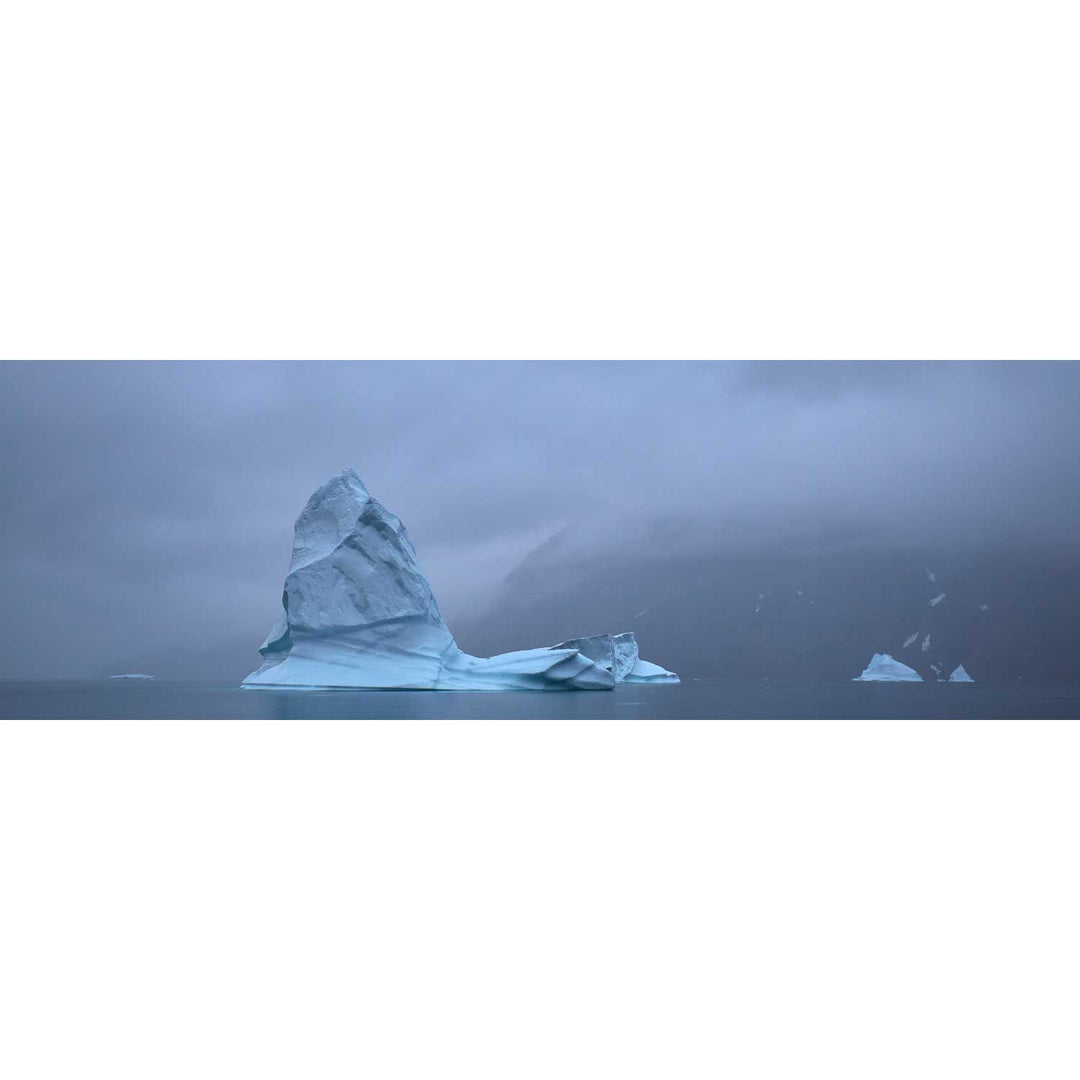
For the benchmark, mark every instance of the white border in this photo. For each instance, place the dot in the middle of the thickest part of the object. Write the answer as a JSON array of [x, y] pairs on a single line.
[[533, 900], [561, 180]]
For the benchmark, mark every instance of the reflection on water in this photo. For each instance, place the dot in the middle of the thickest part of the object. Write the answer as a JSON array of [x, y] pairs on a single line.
[[685, 701], [434, 705]]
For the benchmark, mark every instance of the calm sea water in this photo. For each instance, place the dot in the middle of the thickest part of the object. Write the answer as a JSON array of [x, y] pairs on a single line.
[[695, 700]]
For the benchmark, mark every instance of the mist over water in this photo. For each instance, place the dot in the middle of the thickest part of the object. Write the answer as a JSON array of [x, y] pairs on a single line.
[[149, 506]]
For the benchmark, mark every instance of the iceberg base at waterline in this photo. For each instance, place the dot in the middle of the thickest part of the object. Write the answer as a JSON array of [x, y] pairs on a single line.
[[883, 668], [324, 666], [359, 614]]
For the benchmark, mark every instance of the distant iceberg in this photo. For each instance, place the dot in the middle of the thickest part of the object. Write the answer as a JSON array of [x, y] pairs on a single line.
[[131, 676], [883, 668], [960, 675], [359, 614]]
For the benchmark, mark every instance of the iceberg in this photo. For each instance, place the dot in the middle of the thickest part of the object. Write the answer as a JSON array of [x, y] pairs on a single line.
[[357, 613], [131, 676], [883, 668], [960, 675]]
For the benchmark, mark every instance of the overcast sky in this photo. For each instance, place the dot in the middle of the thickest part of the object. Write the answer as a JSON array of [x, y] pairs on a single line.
[[150, 505]]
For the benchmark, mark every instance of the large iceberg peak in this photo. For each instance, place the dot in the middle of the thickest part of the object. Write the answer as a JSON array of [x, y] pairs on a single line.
[[328, 517], [353, 564]]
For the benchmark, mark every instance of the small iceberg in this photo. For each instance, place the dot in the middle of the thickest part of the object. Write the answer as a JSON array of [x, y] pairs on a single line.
[[131, 676], [960, 675], [883, 668]]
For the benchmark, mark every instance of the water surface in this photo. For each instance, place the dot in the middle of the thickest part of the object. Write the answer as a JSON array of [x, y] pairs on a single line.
[[691, 700]]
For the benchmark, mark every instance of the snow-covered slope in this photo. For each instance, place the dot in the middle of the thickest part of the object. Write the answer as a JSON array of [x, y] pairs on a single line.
[[883, 668], [358, 612]]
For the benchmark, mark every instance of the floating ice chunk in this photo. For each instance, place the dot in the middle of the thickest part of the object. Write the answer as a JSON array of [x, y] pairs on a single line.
[[960, 675], [358, 612], [643, 671], [937, 600], [930, 574], [909, 640], [134, 676], [883, 668], [600, 648], [926, 643], [615, 653], [984, 607], [618, 653]]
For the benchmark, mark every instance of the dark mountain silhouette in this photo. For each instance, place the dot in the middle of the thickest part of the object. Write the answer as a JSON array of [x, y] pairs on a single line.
[[809, 610]]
